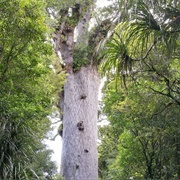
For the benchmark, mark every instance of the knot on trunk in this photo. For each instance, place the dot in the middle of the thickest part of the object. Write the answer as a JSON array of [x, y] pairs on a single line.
[[83, 96], [80, 126], [86, 150], [77, 166]]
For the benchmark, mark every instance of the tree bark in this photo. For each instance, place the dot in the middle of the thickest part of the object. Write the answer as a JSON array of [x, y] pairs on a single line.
[[78, 100], [79, 153]]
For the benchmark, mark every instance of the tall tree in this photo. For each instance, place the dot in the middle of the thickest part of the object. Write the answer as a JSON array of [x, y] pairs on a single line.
[[79, 100], [79, 97]]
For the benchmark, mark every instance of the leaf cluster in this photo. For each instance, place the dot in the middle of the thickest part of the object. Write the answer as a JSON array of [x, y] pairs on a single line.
[[80, 58], [26, 90], [144, 53], [143, 134]]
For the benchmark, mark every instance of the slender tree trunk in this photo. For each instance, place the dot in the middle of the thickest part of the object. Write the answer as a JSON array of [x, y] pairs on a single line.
[[79, 153]]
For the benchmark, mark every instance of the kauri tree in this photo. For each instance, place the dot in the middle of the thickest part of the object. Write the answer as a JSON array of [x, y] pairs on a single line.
[[77, 46]]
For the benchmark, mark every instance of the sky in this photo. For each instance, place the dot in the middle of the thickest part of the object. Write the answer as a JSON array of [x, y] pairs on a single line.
[[102, 3], [56, 145]]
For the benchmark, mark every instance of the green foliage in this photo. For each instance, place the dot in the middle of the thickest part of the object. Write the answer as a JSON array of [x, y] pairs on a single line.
[[58, 8], [66, 4], [26, 90], [42, 167], [144, 31], [108, 150], [144, 52], [58, 177], [143, 135], [80, 58], [56, 79]]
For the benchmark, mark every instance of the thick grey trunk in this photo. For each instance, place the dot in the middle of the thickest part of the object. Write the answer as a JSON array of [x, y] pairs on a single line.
[[79, 99], [79, 153]]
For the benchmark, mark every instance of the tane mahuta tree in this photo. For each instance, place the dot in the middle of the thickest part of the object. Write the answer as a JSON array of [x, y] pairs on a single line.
[[76, 46]]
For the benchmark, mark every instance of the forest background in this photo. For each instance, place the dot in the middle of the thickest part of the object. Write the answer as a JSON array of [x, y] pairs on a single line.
[[139, 55]]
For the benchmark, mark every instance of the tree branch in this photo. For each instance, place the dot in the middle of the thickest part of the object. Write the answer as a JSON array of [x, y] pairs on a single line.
[[149, 50], [167, 95], [166, 106]]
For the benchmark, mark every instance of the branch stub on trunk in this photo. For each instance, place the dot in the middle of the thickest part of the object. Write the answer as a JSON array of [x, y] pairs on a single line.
[[80, 126]]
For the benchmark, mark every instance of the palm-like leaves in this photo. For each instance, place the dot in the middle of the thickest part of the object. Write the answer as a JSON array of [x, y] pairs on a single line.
[[15, 153], [116, 51], [147, 46], [151, 24]]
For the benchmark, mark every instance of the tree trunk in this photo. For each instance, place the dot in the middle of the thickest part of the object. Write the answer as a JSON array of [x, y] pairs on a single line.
[[79, 98], [79, 153]]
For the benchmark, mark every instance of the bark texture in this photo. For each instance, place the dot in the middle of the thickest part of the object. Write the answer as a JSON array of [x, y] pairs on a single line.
[[79, 153], [79, 98]]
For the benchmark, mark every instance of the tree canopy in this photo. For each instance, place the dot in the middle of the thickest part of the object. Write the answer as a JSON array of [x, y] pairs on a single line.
[[141, 95], [26, 92], [135, 45]]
